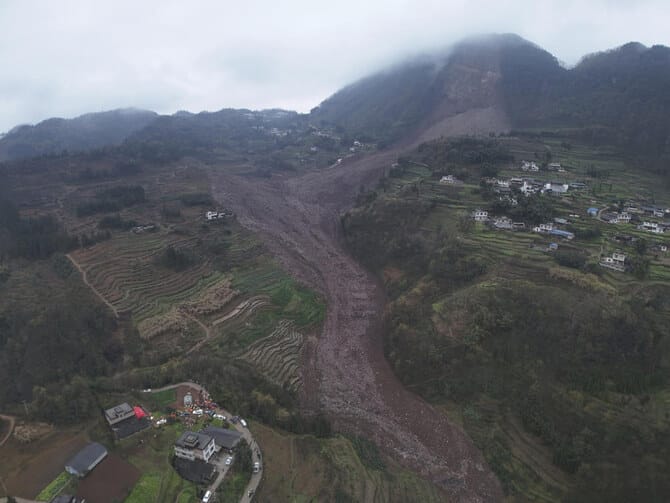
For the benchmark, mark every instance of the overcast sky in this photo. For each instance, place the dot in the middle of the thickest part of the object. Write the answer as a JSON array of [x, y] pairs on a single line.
[[64, 58]]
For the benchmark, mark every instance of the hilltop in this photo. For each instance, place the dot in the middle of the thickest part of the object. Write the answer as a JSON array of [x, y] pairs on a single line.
[[497, 83], [81, 133]]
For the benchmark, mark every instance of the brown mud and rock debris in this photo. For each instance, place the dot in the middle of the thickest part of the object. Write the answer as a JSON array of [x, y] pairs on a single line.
[[346, 374]]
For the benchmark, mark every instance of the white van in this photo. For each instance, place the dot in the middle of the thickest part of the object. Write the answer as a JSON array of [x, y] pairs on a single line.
[[207, 496]]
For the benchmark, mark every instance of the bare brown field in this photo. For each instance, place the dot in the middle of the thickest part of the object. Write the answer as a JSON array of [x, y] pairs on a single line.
[[111, 481], [36, 464]]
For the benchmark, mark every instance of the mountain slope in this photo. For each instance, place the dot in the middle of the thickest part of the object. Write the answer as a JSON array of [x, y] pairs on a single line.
[[498, 82], [81, 133], [453, 92], [623, 92]]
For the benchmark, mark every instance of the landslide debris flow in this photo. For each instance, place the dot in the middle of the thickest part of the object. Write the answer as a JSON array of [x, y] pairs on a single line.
[[346, 374]]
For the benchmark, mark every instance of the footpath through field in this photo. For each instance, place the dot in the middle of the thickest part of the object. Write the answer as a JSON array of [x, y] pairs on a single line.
[[88, 284], [10, 428]]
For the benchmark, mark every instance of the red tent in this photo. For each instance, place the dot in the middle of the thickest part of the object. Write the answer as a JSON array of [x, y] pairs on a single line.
[[139, 412]]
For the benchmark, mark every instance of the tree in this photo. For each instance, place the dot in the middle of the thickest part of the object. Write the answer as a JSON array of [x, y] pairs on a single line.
[[641, 246], [243, 457]]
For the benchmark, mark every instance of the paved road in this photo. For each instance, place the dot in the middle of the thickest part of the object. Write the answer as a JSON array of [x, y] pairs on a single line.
[[246, 434]]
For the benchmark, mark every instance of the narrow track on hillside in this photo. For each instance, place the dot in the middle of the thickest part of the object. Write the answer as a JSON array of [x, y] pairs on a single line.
[[84, 278], [205, 328], [10, 428], [346, 374]]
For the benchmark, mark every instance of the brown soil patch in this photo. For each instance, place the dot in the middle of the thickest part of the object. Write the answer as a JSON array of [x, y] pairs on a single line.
[[27, 468], [29, 432], [110, 481]]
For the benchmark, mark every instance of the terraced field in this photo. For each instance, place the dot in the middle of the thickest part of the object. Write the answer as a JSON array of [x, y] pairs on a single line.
[[242, 310], [182, 311], [301, 468], [123, 270], [277, 356]]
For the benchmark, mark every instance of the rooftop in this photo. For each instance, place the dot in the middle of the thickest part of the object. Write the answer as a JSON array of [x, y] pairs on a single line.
[[193, 440], [223, 437], [130, 426], [118, 413], [87, 458]]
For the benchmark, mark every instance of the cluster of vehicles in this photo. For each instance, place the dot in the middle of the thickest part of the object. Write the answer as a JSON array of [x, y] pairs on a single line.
[[209, 412]]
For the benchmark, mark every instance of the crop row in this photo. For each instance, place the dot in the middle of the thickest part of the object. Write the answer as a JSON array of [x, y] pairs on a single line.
[[211, 300], [155, 326], [154, 301], [246, 307], [277, 355]]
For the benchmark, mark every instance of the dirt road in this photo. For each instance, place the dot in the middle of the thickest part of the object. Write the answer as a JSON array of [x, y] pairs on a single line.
[[10, 428], [346, 373], [93, 289]]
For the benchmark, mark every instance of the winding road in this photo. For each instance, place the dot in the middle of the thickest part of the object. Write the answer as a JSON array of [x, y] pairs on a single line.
[[345, 372], [246, 434]]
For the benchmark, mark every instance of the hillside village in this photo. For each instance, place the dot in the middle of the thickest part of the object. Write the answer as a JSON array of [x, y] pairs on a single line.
[[651, 220], [207, 443]]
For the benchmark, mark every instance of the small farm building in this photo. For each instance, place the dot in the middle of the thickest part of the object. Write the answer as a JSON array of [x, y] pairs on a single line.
[[86, 459]]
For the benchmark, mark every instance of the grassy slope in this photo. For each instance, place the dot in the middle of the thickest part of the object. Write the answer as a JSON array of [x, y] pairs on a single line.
[[303, 468]]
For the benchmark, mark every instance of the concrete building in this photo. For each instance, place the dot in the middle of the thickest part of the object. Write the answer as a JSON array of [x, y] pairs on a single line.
[[194, 446], [119, 413]]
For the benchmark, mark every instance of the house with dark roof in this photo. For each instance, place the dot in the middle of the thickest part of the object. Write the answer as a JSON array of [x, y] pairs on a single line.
[[125, 420], [223, 438], [191, 445], [86, 459], [119, 413]]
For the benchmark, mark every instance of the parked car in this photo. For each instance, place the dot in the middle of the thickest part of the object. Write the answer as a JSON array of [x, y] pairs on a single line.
[[229, 460], [257, 467], [207, 496], [219, 416], [243, 423], [198, 412]]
